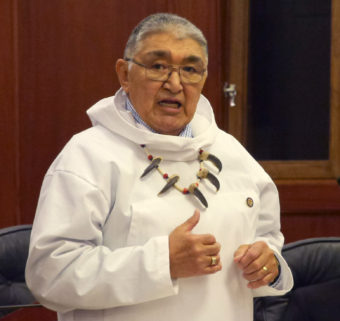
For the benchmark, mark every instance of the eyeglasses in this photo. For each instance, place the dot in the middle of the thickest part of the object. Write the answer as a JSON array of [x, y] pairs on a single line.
[[189, 74]]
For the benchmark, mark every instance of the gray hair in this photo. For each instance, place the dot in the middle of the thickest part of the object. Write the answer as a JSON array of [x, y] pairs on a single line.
[[164, 22]]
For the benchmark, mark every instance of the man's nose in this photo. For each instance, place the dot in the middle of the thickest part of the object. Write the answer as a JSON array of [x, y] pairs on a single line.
[[174, 83]]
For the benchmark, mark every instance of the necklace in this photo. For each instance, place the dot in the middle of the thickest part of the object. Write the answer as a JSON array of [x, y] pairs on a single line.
[[172, 180]]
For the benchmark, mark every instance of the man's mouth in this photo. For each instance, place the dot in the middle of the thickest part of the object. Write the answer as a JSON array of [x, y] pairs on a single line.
[[170, 103]]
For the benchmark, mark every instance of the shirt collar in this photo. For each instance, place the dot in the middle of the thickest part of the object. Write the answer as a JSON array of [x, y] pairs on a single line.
[[186, 132]]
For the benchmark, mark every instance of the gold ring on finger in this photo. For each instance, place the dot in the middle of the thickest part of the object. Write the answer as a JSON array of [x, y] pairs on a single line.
[[213, 260], [265, 268]]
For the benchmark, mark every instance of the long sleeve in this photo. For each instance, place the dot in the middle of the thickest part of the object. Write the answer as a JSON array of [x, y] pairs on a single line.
[[70, 268], [268, 230], [268, 226]]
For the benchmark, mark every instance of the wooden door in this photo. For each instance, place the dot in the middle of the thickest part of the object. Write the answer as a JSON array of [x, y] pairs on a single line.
[[309, 189]]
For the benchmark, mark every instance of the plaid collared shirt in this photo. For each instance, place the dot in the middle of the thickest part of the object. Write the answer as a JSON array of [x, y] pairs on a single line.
[[186, 132]]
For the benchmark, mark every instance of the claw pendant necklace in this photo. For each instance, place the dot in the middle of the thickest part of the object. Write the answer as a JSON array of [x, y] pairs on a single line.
[[171, 181]]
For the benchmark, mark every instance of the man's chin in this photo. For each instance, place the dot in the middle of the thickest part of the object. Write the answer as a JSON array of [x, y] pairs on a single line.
[[170, 130]]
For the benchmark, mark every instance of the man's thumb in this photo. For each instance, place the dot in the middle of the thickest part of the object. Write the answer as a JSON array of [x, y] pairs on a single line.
[[192, 221]]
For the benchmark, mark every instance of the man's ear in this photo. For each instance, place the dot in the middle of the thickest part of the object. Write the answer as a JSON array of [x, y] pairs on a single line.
[[122, 73]]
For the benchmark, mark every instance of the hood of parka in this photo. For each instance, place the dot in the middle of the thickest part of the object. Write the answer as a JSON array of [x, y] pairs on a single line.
[[111, 113]]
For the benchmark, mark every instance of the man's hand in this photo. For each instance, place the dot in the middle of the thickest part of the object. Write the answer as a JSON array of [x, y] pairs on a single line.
[[258, 263], [191, 254]]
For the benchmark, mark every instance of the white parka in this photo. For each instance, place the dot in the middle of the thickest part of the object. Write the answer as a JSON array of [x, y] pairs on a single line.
[[99, 244]]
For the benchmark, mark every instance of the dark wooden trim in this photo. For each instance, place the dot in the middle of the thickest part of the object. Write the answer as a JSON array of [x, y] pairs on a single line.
[[31, 314], [237, 72], [309, 196], [298, 169], [335, 92], [301, 226]]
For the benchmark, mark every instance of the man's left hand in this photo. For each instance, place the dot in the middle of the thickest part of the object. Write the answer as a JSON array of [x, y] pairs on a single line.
[[258, 263]]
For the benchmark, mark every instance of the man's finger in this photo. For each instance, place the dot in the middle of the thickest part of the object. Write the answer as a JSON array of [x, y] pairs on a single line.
[[252, 254], [212, 249], [261, 282], [240, 252], [191, 222]]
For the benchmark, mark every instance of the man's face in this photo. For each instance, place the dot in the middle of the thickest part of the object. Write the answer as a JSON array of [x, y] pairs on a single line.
[[166, 106]]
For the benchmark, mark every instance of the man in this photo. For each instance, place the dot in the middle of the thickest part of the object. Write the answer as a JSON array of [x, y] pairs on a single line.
[[154, 213]]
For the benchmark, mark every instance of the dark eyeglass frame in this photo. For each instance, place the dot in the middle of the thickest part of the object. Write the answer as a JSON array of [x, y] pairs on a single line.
[[171, 68]]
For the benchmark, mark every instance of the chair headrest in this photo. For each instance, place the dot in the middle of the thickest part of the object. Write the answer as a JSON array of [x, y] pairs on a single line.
[[14, 244], [313, 260]]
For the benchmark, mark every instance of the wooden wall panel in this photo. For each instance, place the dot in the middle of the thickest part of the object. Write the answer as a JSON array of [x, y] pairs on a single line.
[[309, 196], [8, 120], [64, 68], [300, 226], [309, 208]]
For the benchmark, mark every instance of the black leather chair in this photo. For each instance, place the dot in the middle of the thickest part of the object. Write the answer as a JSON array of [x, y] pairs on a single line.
[[14, 243], [315, 264]]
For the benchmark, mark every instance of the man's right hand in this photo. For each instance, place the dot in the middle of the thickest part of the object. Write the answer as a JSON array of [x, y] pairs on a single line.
[[191, 254]]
